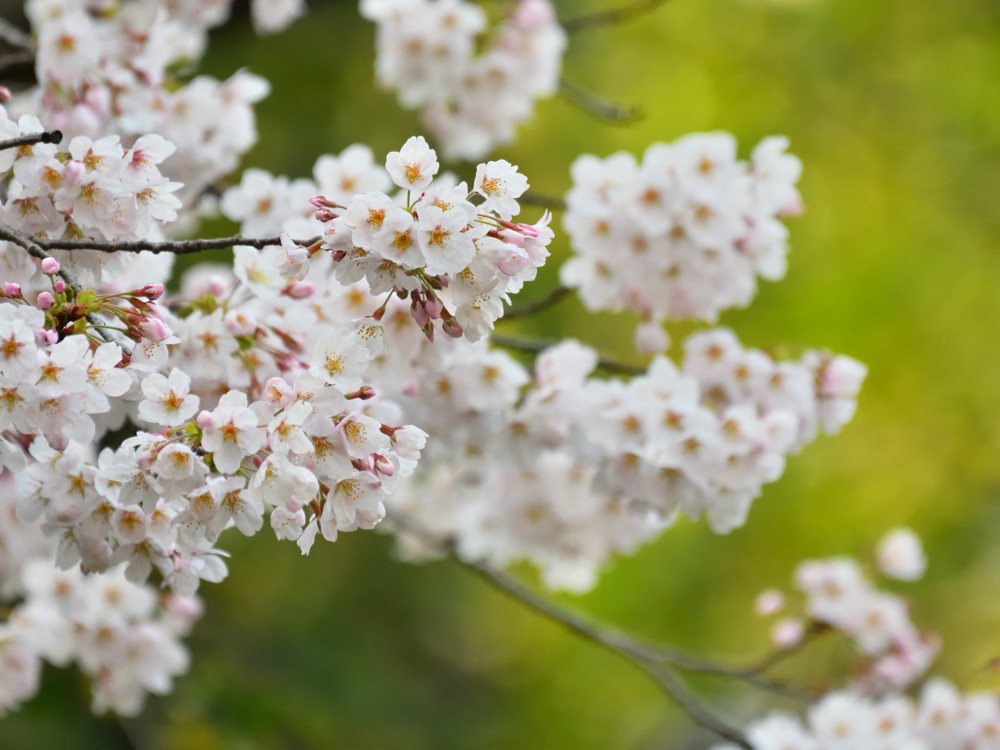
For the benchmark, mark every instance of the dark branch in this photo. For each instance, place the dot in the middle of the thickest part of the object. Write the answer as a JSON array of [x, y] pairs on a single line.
[[177, 247], [16, 60], [597, 107], [536, 346], [545, 201], [530, 308], [15, 37], [610, 16], [46, 136]]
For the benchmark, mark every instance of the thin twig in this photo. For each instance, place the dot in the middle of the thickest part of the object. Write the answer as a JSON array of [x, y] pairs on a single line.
[[610, 16], [46, 136], [16, 37], [551, 202], [530, 308], [177, 247], [620, 645], [16, 59], [597, 107], [539, 345]]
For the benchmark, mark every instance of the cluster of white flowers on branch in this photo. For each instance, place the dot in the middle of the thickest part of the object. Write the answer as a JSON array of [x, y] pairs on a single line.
[[874, 711], [473, 83], [684, 234]]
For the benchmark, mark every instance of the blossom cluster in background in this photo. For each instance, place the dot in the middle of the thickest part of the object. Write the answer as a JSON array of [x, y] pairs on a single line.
[[473, 83], [124, 637], [110, 67], [682, 234], [565, 468], [874, 712]]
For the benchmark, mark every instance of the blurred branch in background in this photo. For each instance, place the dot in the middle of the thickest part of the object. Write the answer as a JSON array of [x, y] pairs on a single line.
[[597, 107], [611, 16]]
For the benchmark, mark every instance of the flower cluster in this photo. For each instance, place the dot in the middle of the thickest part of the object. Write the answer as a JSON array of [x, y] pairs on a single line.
[[455, 260], [699, 439], [161, 499], [838, 595], [942, 718], [124, 637], [685, 232], [108, 67], [89, 190], [873, 712], [474, 84]]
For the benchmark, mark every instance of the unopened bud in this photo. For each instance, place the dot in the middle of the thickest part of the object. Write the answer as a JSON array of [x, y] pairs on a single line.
[[59, 286], [428, 330], [452, 327], [204, 419], [45, 300], [73, 171], [154, 329], [50, 266], [152, 292], [12, 290], [300, 290], [384, 466], [4, 94], [419, 312], [363, 393], [435, 307], [325, 214]]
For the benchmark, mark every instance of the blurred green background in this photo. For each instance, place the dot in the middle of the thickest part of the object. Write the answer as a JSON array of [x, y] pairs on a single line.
[[894, 108]]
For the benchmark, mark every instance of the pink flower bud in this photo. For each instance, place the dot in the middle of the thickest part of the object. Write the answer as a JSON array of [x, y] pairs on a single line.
[[788, 632], [44, 301], [515, 262], [152, 292], [50, 266], [4, 94], [434, 307], [419, 312], [769, 602], [428, 330], [12, 290], [73, 171], [188, 608], [325, 215], [384, 466], [51, 337], [300, 290], [154, 329], [453, 328], [204, 419], [59, 286], [278, 393]]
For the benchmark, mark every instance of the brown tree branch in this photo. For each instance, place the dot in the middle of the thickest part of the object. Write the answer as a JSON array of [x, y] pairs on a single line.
[[46, 136], [530, 308], [610, 16], [177, 247], [597, 107]]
